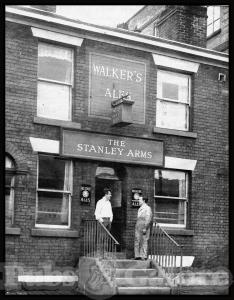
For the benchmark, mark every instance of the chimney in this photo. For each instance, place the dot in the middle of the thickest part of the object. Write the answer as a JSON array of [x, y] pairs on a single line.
[[50, 8], [186, 24]]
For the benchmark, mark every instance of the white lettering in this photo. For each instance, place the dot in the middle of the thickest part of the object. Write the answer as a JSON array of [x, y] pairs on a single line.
[[102, 71], [123, 74], [130, 153], [114, 74], [86, 147], [120, 151], [79, 147], [113, 151], [137, 153], [92, 148], [149, 154], [128, 75], [110, 141], [114, 95], [106, 150], [108, 93], [100, 149], [96, 69], [139, 77]]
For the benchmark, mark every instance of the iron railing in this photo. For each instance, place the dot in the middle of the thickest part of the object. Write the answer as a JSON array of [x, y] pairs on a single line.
[[98, 241], [166, 252]]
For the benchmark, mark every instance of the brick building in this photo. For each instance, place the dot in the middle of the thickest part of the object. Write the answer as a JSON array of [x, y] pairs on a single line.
[[185, 24], [64, 136]]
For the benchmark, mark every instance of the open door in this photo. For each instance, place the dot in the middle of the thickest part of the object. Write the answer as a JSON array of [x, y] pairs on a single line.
[[105, 180]]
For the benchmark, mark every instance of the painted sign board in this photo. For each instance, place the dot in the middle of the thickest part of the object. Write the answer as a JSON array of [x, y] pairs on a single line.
[[112, 77], [85, 194], [135, 197], [90, 145]]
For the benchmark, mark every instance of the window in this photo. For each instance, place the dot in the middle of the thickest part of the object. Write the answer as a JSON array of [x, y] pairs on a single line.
[[55, 73], [54, 192], [213, 20], [171, 196], [173, 100], [9, 190]]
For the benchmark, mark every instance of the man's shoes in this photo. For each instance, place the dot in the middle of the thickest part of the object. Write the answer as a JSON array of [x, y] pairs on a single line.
[[137, 258], [143, 258]]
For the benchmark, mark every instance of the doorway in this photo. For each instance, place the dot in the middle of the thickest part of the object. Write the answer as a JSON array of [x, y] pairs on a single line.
[[106, 177]]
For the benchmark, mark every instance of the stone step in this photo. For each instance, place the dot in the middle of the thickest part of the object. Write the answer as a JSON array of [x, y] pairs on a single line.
[[143, 290], [136, 273], [132, 264], [140, 282]]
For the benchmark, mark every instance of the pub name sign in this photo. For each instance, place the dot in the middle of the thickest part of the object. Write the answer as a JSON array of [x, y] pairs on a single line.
[[89, 145]]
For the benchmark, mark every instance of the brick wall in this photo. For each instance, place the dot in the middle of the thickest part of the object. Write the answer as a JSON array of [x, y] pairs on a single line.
[[186, 24], [208, 202]]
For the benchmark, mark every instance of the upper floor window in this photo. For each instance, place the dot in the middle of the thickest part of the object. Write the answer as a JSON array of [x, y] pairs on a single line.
[[213, 20], [171, 196], [173, 100], [9, 190], [54, 190], [55, 79]]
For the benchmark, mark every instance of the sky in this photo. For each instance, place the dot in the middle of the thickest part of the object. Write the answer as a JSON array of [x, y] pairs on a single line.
[[106, 15]]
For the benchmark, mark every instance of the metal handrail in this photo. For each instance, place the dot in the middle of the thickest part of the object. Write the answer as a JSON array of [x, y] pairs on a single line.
[[164, 250], [98, 241], [108, 232]]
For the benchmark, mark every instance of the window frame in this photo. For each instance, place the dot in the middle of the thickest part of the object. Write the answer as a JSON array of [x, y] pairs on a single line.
[[213, 20], [70, 193], [169, 100], [11, 171], [185, 199], [51, 81]]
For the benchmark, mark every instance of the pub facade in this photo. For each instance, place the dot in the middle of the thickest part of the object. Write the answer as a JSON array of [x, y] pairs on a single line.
[[89, 107]]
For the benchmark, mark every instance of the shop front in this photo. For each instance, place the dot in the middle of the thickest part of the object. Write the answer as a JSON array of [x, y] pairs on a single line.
[[124, 164]]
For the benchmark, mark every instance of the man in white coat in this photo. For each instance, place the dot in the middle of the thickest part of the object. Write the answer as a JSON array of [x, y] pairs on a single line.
[[142, 229], [103, 212]]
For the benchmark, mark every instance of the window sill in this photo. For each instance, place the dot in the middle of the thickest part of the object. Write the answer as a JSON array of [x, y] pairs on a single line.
[[60, 123], [179, 231], [188, 134], [213, 34], [54, 232], [12, 231]]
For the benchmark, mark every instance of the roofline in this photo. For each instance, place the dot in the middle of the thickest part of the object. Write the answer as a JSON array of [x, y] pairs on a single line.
[[131, 37]]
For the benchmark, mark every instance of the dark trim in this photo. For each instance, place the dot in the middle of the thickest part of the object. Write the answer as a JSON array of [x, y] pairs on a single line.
[[12, 231], [187, 134], [16, 172], [179, 231], [59, 123], [68, 233]]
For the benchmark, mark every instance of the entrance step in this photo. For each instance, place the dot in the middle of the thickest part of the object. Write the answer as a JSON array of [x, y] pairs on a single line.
[[137, 277], [143, 290], [140, 282], [132, 264], [136, 273]]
